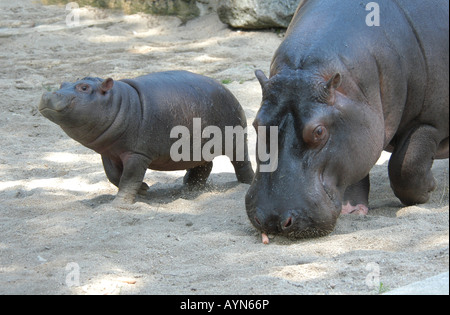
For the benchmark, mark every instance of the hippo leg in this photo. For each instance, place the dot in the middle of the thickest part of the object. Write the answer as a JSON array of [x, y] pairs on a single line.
[[242, 167], [356, 198], [197, 176], [410, 166], [114, 173], [134, 168], [244, 172]]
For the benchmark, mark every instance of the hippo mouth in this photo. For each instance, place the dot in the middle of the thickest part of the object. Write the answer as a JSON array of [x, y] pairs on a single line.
[[50, 110], [46, 108], [56, 105], [316, 220]]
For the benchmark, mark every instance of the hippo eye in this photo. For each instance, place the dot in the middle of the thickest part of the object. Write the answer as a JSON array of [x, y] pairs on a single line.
[[314, 135], [319, 133]]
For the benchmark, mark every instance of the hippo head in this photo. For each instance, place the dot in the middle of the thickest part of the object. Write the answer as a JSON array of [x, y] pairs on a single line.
[[326, 142], [79, 107]]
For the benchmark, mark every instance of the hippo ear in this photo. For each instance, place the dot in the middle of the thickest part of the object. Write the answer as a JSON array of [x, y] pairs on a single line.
[[335, 82], [332, 85], [261, 78], [107, 85]]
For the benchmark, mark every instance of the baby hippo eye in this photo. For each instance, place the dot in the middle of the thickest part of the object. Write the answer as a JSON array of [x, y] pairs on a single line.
[[86, 88]]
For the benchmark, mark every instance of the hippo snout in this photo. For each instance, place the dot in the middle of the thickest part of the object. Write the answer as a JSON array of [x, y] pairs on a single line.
[[54, 101], [293, 223], [294, 216], [273, 222]]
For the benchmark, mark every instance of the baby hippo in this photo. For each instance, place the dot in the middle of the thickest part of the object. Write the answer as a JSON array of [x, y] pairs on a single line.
[[135, 124]]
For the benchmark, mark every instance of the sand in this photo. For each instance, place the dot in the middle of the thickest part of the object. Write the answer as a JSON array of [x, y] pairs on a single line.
[[60, 235]]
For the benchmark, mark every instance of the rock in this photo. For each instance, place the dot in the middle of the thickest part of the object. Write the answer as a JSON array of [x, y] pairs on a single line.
[[207, 6], [257, 14], [249, 14]]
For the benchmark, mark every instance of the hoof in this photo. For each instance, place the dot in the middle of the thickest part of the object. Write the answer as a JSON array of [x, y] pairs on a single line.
[[122, 201]]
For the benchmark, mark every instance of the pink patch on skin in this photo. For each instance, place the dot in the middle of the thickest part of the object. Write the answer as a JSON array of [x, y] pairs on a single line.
[[265, 238], [358, 209]]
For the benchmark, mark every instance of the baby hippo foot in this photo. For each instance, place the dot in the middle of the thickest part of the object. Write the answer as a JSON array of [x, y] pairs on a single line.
[[124, 199], [122, 202], [359, 209], [196, 177], [143, 190]]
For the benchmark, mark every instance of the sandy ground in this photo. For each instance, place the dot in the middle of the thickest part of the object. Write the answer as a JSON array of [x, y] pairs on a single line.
[[59, 234]]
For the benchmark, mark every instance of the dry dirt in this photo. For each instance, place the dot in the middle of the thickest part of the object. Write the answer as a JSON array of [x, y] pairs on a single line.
[[59, 234]]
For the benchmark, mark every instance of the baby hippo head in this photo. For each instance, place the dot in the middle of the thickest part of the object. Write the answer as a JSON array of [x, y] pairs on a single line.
[[78, 104]]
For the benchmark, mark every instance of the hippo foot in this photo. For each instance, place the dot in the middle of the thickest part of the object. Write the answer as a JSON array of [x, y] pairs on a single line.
[[196, 177], [359, 209], [195, 187], [122, 201], [244, 172], [143, 190], [410, 166], [413, 197], [416, 191]]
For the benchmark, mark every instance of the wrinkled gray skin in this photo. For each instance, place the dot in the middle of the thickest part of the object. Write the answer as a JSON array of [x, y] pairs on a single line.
[[129, 123], [342, 92]]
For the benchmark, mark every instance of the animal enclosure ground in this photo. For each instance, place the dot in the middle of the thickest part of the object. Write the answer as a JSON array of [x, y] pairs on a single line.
[[55, 216]]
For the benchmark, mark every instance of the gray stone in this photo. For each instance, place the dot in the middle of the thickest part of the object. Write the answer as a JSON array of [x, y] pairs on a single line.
[[207, 6], [437, 285], [257, 14]]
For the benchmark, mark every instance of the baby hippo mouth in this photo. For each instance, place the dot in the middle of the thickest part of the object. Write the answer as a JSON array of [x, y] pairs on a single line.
[[55, 102]]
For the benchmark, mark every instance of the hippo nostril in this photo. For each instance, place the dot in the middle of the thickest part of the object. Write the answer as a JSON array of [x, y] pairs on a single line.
[[287, 223]]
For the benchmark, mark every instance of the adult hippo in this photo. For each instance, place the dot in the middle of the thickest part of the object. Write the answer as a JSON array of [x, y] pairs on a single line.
[[131, 122], [341, 92]]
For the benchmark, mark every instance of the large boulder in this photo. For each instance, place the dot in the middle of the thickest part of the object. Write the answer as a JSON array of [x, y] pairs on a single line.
[[257, 14]]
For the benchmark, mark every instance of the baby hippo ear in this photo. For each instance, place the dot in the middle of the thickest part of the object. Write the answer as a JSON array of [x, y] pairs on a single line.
[[107, 85]]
